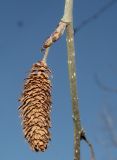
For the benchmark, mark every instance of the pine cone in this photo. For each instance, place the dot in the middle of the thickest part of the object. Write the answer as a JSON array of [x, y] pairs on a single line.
[[36, 107]]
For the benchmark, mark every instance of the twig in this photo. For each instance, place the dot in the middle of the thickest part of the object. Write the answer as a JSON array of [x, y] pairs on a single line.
[[46, 54], [73, 89], [67, 22], [58, 32], [83, 137], [72, 76], [67, 16]]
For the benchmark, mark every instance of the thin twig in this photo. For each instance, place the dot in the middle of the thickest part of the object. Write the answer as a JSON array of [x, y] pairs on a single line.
[[92, 152], [46, 54], [73, 89], [67, 16], [58, 32], [83, 137], [67, 20], [72, 76]]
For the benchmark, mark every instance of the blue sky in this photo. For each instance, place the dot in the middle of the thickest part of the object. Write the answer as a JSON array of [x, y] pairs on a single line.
[[24, 25]]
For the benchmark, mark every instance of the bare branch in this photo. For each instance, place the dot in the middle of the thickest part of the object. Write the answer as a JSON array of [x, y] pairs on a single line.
[[72, 79], [83, 137], [73, 89], [54, 36], [67, 17], [46, 55]]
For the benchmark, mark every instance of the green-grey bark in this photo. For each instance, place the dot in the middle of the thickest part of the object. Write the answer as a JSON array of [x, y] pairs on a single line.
[[73, 89], [68, 18]]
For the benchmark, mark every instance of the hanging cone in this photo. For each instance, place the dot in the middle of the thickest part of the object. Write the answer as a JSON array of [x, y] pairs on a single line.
[[36, 106]]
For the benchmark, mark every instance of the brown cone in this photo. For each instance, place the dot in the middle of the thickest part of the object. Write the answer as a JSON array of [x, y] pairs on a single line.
[[36, 106]]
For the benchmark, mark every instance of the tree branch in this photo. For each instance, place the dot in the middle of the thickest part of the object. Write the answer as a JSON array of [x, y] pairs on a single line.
[[73, 89], [67, 17], [83, 137], [72, 76], [67, 23], [46, 55]]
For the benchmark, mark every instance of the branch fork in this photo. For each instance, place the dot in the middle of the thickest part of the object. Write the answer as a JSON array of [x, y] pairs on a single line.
[[66, 23]]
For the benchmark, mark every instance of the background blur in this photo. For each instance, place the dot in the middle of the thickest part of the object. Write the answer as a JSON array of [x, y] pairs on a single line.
[[24, 25]]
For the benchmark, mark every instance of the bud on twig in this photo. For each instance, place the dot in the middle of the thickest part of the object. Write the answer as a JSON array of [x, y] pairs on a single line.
[[54, 36]]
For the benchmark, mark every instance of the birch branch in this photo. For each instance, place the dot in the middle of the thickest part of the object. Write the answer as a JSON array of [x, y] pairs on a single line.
[[73, 90], [67, 23], [72, 76]]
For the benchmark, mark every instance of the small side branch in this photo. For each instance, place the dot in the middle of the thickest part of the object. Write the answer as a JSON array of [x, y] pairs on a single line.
[[83, 137], [46, 55], [58, 32]]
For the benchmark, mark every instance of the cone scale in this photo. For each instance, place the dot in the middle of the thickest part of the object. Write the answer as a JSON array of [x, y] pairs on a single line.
[[35, 107]]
